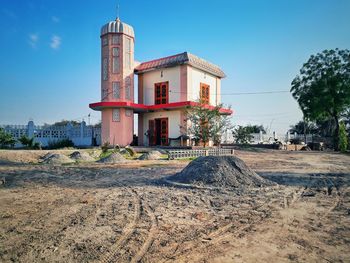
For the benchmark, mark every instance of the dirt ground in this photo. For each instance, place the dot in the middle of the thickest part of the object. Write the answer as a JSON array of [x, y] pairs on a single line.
[[93, 212]]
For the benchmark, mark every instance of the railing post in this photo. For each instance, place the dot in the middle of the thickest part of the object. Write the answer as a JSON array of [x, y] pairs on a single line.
[[30, 129]]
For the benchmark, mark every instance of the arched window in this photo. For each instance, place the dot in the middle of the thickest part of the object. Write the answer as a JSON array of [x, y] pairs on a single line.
[[128, 88]]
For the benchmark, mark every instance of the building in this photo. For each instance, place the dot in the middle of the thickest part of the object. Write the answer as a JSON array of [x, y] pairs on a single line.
[[166, 87]]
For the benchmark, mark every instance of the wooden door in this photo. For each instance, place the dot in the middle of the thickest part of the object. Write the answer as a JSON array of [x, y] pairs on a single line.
[[161, 93], [164, 131], [152, 133]]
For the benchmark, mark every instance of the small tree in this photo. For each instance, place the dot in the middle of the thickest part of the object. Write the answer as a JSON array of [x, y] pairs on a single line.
[[255, 128], [242, 134], [29, 142], [343, 139], [206, 123], [6, 139]]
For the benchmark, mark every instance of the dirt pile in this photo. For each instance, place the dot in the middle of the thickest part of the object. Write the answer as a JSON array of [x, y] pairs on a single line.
[[219, 171], [81, 157], [56, 158], [113, 158], [152, 155]]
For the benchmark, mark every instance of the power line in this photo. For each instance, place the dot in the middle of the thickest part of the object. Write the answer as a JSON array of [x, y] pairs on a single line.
[[238, 93]]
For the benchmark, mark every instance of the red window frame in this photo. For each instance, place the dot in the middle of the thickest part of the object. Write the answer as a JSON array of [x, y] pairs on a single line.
[[161, 93], [204, 93]]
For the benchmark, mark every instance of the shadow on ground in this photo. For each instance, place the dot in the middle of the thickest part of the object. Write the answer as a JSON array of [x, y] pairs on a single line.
[[314, 180]]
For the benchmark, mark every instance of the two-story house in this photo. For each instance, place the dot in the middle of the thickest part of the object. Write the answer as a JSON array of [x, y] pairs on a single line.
[[166, 87]]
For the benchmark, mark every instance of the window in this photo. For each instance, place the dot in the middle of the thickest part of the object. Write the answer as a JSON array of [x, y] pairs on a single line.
[[116, 90], [105, 69], [115, 40], [128, 113], [115, 61], [204, 93], [116, 115], [104, 94], [128, 53], [161, 91], [128, 88]]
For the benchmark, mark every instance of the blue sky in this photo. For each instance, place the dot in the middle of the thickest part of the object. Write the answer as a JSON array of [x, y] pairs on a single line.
[[50, 50]]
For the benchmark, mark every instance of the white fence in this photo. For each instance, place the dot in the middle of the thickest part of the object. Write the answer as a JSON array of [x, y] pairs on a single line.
[[81, 135], [178, 154], [268, 138]]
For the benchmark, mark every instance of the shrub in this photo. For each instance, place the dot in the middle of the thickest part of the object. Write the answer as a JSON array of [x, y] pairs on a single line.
[[343, 139], [105, 146], [6, 139], [242, 135], [29, 142], [60, 144]]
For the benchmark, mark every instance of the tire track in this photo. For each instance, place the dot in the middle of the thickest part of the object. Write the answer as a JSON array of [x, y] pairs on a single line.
[[150, 238], [127, 233]]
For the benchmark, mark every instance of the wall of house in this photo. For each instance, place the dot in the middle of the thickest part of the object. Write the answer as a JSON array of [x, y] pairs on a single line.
[[197, 76], [169, 74], [174, 120]]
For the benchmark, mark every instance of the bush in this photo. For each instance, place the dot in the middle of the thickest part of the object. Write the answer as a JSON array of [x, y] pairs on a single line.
[[60, 144], [6, 139], [29, 142], [242, 135], [105, 146], [343, 139]]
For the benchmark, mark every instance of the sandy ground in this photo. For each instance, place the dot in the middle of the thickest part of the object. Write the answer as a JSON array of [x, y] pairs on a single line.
[[123, 213]]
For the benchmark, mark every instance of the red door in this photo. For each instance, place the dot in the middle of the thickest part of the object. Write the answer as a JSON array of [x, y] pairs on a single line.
[[164, 131]]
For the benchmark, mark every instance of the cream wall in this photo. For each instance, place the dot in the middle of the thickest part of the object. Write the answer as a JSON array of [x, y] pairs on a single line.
[[174, 120], [195, 78], [169, 74]]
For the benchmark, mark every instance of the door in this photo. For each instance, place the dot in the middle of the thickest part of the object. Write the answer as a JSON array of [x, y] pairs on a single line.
[[151, 133], [164, 131]]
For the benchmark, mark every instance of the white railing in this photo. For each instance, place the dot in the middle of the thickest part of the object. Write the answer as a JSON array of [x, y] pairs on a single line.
[[81, 135], [263, 138], [178, 154]]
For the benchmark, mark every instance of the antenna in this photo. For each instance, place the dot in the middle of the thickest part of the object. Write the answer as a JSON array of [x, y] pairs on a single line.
[[117, 11]]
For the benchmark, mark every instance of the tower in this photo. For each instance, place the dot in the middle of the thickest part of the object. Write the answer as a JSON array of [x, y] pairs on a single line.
[[117, 82]]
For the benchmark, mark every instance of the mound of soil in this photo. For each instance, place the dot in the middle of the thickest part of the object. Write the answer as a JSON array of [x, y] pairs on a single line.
[[113, 158], [152, 155], [219, 171], [56, 158], [81, 157]]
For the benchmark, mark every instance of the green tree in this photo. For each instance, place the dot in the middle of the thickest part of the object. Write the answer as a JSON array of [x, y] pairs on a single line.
[[322, 88], [304, 126], [343, 137], [206, 123], [255, 128], [242, 134], [6, 139]]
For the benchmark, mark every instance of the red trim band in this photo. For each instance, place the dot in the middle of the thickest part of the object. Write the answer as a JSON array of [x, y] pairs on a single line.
[[139, 108]]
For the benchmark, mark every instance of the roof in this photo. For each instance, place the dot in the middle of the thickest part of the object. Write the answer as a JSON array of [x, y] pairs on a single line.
[[117, 26], [139, 108], [180, 59]]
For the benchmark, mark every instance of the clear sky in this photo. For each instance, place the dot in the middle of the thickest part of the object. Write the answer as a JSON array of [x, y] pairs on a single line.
[[50, 50]]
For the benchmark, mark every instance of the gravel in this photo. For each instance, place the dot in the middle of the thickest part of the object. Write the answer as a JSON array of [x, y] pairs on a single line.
[[219, 171]]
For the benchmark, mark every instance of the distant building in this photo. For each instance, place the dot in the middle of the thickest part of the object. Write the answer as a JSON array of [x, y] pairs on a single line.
[[166, 87]]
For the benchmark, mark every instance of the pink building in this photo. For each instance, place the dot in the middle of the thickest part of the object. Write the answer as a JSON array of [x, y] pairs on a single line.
[[166, 87]]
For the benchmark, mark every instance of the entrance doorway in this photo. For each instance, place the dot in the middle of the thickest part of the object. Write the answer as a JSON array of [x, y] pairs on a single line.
[[158, 132]]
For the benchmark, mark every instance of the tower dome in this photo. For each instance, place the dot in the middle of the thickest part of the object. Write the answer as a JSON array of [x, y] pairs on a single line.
[[117, 26]]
